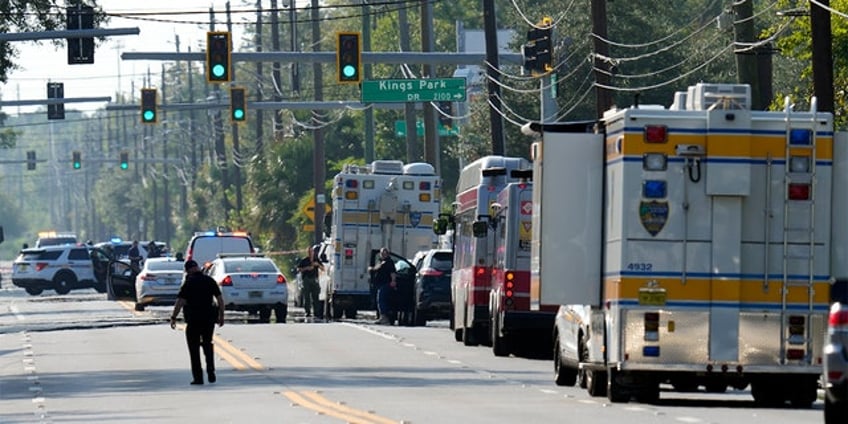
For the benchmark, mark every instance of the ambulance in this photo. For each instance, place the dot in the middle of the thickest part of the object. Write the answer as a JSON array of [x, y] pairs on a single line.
[[384, 204], [697, 244], [479, 185]]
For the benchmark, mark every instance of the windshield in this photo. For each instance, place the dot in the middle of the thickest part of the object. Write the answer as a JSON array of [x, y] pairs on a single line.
[[206, 249], [164, 265], [249, 266]]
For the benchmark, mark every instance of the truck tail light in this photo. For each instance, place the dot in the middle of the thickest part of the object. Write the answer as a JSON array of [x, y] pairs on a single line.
[[799, 192], [656, 134]]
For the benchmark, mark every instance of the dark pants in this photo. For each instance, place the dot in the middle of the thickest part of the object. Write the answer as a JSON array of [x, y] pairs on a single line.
[[200, 335], [311, 289], [385, 302]]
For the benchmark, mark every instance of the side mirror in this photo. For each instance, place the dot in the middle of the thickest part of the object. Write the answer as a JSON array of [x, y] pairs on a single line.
[[480, 228], [440, 227]]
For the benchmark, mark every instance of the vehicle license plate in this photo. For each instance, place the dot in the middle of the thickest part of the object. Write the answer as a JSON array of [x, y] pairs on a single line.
[[652, 297], [254, 294]]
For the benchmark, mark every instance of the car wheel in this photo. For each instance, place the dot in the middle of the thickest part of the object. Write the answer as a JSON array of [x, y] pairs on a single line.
[[34, 291], [281, 312], [563, 375], [835, 412], [139, 306], [63, 282], [616, 392], [100, 287], [596, 384]]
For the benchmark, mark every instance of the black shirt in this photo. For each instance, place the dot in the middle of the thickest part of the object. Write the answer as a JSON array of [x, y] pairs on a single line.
[[199, 291], [307, 273], [383, 274]]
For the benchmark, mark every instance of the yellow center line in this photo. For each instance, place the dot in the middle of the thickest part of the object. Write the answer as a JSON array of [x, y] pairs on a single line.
[[316, 402], [225, 346]]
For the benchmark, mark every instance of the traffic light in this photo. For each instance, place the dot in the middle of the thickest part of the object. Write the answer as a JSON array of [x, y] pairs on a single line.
[[56, 90], [77, 159], [30, 160], [80, 50], [238, 104], [218, 56], [125, 160], [148, 106], [446, 115], [348, 57], [538, 51]]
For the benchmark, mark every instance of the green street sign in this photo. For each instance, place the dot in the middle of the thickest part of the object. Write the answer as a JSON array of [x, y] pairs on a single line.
[[413, 90], [400, 129]]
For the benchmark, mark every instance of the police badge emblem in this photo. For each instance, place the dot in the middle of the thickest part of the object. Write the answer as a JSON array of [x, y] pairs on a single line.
[[414, 219], [653, 215]]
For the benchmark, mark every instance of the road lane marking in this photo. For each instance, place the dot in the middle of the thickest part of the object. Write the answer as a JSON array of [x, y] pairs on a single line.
[[314, 401], [234, 351]]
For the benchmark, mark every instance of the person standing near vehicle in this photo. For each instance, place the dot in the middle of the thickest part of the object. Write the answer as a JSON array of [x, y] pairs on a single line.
[[200, 314], [384, 280], [153, 250], [308, 268], [134, 255]]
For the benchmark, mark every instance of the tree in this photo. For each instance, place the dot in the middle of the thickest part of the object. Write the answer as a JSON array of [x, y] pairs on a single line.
[[33, 16]]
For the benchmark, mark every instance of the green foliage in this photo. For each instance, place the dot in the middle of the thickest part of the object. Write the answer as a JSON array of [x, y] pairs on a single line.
[[32, 16]]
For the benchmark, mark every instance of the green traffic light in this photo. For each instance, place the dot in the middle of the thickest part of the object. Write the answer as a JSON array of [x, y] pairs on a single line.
[[124, 165], [238, 114], [77, 165], [218, 70], [149, 115], [349, 71]]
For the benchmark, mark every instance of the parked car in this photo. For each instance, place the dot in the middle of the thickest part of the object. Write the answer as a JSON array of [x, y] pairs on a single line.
[[205, 246], [432, 285], [61, 268], [836, 358], [158, 282], [251, 283]]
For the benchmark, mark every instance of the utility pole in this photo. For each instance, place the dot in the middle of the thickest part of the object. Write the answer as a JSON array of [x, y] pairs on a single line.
[[318, 171], [409, 107], [822, 46], [746, 57], [369, 113], [235, 129], [275, 67], [490, 28], [259, 148], [603, 98], [431, 131]]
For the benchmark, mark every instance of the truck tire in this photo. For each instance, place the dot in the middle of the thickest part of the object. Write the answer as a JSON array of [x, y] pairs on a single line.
[[596, 383], [804, 392], [500, 344], [468, 336], [563, 374], [616, 393]]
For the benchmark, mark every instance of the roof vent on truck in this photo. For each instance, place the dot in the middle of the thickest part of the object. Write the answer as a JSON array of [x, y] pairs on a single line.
[[390, 167], [419, 168]]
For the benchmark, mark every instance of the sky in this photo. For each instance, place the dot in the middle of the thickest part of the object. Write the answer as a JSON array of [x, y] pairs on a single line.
[[40, 64]]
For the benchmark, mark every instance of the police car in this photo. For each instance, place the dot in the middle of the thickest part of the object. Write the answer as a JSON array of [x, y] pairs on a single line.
[[251, 283], [60, 268]]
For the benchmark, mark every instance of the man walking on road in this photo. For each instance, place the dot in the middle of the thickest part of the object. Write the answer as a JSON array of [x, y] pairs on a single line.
[[308, 268], [197, 294]]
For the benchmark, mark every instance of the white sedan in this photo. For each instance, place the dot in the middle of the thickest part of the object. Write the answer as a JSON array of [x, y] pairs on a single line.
[[158, 282], [251, 283]]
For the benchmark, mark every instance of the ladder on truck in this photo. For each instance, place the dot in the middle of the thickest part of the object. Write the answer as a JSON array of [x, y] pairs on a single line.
[[798, 225]]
